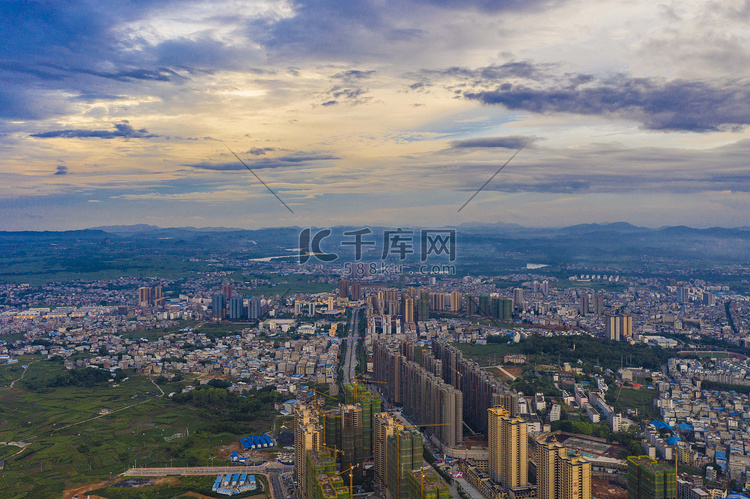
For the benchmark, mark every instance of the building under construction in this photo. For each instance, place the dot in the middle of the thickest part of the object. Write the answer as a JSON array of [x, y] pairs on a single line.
[[371, 404], [649, 479], [308, 436], [404, 453], [322, 482], [427, 484]]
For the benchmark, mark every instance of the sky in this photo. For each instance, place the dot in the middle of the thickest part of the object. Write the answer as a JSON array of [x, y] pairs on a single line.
[[381, 112]]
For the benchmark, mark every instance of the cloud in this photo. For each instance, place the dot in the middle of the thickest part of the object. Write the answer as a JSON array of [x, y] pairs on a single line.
[[61, 170], [509, 142], [260, 151], [277, 162], [514, 69], [122, 131], [354, 74], [612, 168], [677, 105]]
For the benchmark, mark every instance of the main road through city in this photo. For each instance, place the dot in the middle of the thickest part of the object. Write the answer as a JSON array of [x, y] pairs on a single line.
[[350, 362]]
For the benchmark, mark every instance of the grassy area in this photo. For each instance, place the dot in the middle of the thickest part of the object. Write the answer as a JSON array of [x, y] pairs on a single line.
[[174, 487], [42, 270], [59, 457], [490, 354], [211, 329], [637, 399]]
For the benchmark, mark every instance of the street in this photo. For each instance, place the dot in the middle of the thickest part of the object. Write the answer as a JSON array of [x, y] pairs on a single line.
[[350, 362]]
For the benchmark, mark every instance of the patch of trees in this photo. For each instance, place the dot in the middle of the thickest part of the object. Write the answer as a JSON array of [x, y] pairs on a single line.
[[533, 385], [582, 428], [609, 354], [227, 406], [724, 387], [85, 377]]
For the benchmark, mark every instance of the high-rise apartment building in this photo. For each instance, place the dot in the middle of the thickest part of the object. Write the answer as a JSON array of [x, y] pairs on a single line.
[[344, 288], [237, 308], [518, 297], [480, 390], [682, 294], [352, 435], [254, 308], [423, 309], [219, 306], [598, 305], [618, 327], [425, 397], [485, 306], [583, 304], [508, 449], [226, 290], [404, 452], [408, 310], [456, 301], [560, 476], [356, 291], [472, 305], [648, 479], [145, 296], [384, 425], [308, 436], [502, 308], [371, 405]]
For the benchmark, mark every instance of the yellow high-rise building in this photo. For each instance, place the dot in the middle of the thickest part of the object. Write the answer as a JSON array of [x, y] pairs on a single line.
[[508, 448], [456, 301], [308, 436], [618, 327], [560, 476], [384, 426], [408, 310]]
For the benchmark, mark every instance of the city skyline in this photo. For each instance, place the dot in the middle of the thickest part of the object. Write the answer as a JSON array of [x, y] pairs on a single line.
[[373, 113]]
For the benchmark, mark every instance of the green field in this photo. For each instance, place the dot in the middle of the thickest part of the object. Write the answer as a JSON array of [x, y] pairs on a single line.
[[210, 329], [489, 354], [60, 456], [173, 487], [636, 399]]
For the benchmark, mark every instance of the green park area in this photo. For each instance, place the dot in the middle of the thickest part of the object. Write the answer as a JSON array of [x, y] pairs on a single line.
[[77, 427], [169, 487], [556, 350]]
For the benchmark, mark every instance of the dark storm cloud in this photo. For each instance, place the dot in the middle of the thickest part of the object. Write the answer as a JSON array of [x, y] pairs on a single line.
[[510, 142], [278, 162], [121, 131], [677, 105]]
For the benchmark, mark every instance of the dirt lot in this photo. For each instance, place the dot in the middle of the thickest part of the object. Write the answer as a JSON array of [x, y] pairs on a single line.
[[601, 488]]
